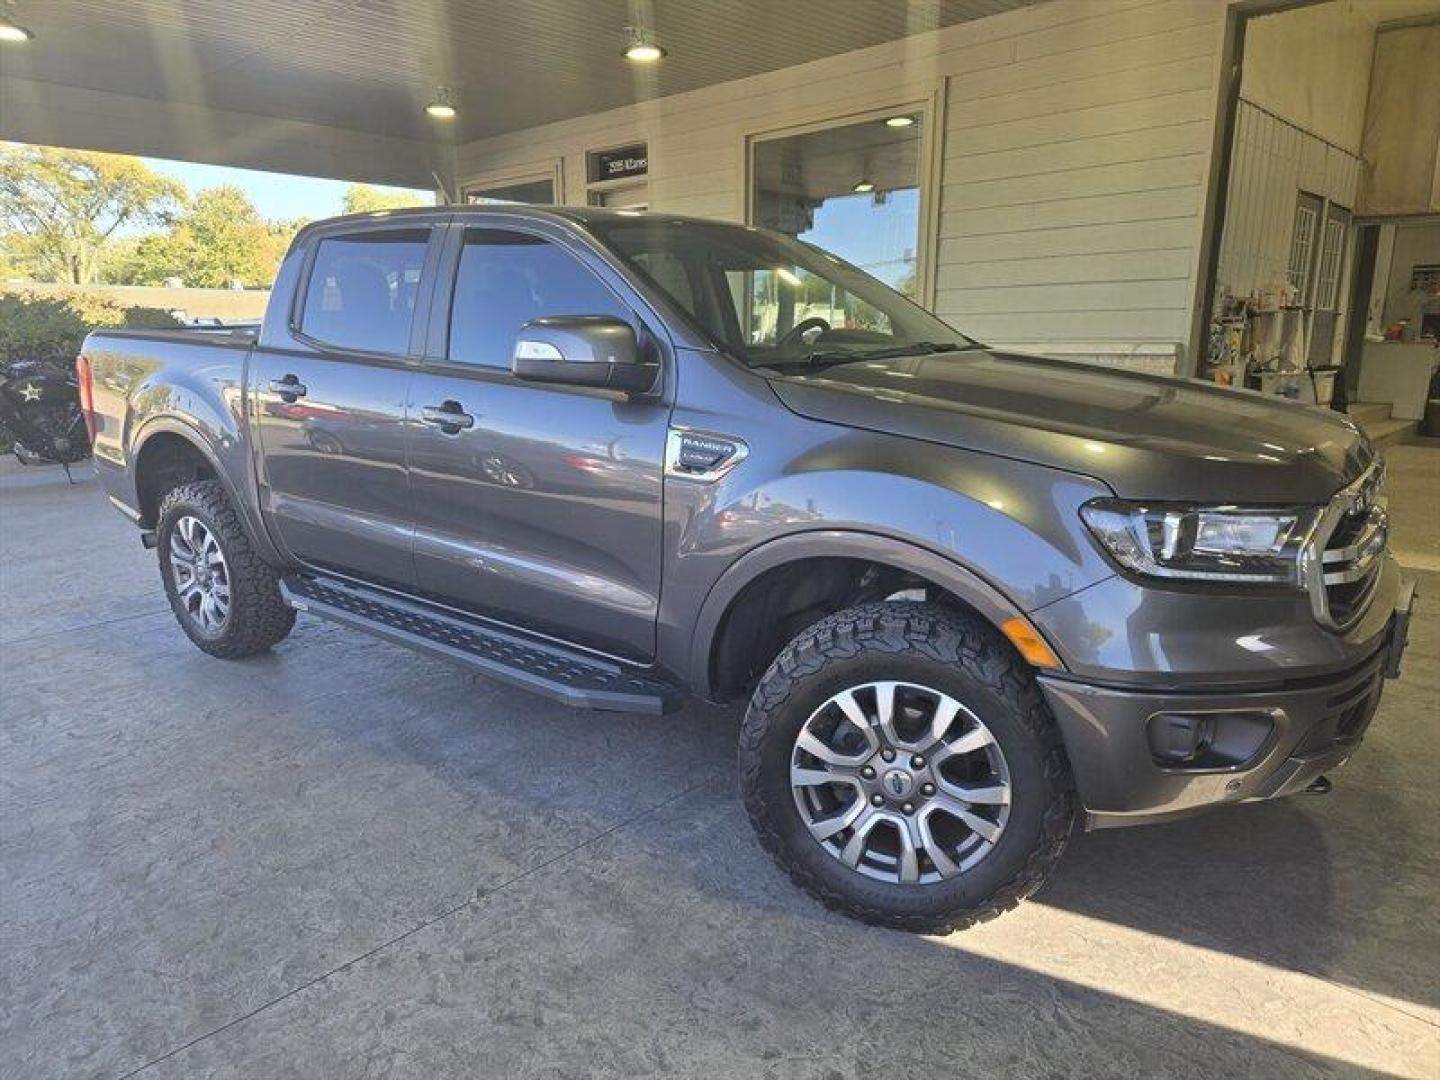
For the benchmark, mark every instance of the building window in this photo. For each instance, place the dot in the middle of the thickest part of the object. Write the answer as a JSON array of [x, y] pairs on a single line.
[[1302, 244], [538, 192], [853, 189], [1332, 254]]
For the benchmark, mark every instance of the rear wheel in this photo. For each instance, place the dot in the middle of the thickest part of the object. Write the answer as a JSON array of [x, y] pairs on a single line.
[[899, 763], [226, 598]]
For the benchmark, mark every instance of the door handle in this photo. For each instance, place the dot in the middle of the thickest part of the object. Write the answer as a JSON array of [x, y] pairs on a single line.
[[289, 388], [449, 417]]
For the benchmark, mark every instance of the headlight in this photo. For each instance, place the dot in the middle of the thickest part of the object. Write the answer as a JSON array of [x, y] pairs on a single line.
[[1198, 543]]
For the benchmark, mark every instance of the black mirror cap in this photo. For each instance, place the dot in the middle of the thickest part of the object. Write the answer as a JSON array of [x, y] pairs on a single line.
[[583, 350]]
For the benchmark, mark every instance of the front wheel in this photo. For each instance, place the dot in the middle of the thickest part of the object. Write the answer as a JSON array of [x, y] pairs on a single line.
[[226, 598], [899, 762]]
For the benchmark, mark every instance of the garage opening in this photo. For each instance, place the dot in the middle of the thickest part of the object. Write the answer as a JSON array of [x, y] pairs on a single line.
[[1326, 284]]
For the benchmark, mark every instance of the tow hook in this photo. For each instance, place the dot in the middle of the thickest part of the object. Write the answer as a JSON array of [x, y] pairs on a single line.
[[149, 539], [1320, 786]]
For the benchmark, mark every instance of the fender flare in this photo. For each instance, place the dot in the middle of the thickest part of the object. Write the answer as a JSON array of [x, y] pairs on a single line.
[[945, 572], [173, 425]]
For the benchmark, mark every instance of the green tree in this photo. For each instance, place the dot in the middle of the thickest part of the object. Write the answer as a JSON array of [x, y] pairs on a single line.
[[364, 199], [60, 208], [220, 240]]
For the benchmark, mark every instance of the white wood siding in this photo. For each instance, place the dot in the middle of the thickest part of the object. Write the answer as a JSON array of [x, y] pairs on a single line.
[[1272, 161], [1066, 201]]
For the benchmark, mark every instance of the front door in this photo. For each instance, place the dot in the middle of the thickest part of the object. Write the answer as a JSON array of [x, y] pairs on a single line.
[[329, 407], [535, 505]]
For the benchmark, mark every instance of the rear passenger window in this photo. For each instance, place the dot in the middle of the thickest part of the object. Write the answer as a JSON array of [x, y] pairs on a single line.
[[508, 278], [362, 290]]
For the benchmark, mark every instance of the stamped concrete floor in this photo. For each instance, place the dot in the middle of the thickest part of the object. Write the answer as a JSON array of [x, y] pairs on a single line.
[[341, 860]]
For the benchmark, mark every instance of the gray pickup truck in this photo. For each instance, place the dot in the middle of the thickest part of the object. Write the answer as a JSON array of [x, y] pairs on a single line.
[[971, 597]]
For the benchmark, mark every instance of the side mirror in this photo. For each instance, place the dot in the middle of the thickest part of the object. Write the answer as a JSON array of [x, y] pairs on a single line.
[[583, 350]]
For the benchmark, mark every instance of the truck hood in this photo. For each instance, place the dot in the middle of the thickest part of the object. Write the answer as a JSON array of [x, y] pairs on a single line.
[[1146, 436]]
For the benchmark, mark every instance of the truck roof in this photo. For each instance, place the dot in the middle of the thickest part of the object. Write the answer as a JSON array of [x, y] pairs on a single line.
[[580, 215]]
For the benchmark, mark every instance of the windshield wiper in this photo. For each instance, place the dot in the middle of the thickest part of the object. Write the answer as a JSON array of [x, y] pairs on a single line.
[[910, 348]]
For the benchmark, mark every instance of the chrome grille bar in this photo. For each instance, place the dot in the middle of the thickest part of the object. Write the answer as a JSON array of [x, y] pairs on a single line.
[[1356, 517]]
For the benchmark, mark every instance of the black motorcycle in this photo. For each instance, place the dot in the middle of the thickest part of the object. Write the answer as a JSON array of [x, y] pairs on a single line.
[[40, 410]]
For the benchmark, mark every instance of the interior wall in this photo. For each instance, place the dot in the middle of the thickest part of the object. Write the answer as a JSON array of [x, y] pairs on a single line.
[[1067, 190], [1272, 161], [1311, 65], [1402, 126]]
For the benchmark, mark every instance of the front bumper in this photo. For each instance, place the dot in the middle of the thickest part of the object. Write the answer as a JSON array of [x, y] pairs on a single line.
[[1315, 724]]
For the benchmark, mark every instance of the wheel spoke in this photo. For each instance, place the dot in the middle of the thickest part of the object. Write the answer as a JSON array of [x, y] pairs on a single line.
[[813, 745], [982, 826], [856, 715], [819, 777], [976, 739], [909, 855], [855, 848], [179, 549], [994, 795], [825, 828], [885, 711], [945, 713], [938, 855]]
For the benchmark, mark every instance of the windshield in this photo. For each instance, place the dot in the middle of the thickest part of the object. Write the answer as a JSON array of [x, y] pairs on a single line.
[[773, 301]]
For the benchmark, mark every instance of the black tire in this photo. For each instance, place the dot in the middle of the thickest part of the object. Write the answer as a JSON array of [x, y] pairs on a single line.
[[257, 617], [952, 652]]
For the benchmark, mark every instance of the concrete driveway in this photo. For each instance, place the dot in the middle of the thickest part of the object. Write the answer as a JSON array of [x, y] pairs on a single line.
[[341, 860]]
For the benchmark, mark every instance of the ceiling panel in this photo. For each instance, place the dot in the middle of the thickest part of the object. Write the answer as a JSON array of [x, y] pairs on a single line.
[[370, 65]]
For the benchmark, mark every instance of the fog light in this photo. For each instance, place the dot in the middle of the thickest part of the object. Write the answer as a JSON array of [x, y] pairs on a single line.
[[1177, 738], [1209, 741]]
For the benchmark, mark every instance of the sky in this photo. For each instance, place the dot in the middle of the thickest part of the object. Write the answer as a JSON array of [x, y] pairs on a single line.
[[879, 238], [275, 195]]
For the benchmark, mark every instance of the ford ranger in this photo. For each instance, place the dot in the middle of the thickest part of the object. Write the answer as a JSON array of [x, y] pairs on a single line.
[[971, 597]]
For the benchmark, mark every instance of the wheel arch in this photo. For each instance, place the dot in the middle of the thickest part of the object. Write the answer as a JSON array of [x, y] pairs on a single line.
[[164, 436], [714, 671]]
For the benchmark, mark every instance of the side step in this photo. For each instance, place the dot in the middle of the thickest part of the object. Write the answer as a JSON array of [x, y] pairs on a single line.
[[574, 678]]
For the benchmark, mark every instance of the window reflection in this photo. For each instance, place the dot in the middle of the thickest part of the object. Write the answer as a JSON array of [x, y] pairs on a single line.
[[852, 189]]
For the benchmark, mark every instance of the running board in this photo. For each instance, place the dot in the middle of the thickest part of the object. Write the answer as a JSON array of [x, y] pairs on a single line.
[[567, 676]]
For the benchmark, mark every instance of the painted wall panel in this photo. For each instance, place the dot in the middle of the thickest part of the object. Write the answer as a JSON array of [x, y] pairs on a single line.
[[1070, 171]]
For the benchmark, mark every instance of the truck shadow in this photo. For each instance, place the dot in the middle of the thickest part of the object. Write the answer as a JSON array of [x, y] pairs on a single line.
[[1305, 884]]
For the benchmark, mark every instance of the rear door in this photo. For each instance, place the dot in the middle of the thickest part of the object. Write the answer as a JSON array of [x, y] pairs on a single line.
[[535, 505], [329, 402]]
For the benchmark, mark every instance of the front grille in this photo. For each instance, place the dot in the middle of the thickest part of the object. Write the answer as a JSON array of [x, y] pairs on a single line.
[[1351, 539]]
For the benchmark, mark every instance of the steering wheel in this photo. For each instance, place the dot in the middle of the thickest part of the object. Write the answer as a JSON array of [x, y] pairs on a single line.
[[800, 329]]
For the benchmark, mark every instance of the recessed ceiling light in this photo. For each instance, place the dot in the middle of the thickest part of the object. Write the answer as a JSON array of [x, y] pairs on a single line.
[[16, 35], [644, 52], [863, 186], [899, 121], [641, 46], [440, 107]]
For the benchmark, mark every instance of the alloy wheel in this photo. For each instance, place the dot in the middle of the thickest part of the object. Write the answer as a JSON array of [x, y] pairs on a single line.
[[202, 579], [900, 782]]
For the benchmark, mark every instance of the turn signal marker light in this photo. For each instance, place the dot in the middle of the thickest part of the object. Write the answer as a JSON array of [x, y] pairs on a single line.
[[1029, 643]]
